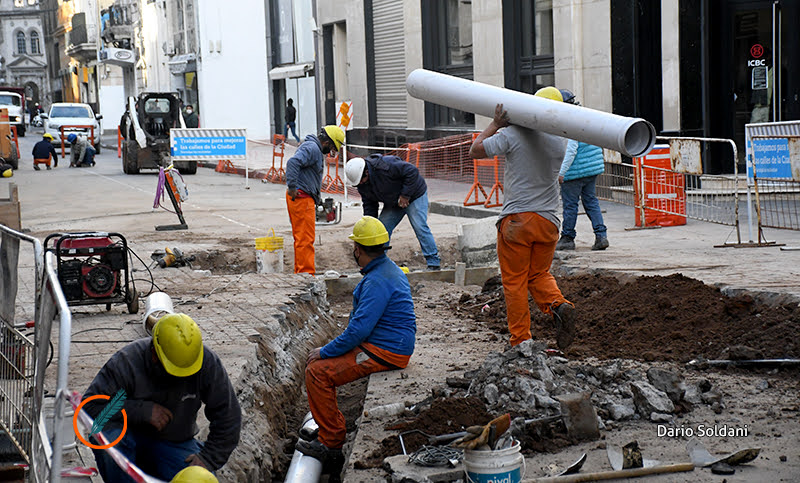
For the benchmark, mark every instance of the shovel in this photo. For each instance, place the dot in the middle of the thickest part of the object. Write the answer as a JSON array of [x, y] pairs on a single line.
[[701, 457]]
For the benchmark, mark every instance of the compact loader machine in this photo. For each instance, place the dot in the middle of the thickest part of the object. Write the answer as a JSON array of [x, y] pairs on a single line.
[[145, 130]]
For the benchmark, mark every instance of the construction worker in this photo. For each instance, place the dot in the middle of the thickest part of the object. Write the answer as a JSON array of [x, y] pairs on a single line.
[[581, 166], [304, 180], [379, 337], [43, 152], [528, 226], [398, 185], [166, 378], [81, 153]]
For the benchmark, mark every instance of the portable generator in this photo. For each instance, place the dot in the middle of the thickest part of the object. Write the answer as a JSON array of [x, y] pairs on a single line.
[[93, 268]]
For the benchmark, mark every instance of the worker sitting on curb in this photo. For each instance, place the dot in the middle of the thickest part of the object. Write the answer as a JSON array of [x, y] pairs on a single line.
[[81, 153], [303, 183], [379, 337], [43, 152], [166, 378], [398, 185]]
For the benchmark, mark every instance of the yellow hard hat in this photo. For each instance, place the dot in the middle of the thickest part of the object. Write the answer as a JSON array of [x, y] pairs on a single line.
[[550, 93], [194, 474], [336, 134], [47, 136], [370, 232], [179, 344], [8, 173]]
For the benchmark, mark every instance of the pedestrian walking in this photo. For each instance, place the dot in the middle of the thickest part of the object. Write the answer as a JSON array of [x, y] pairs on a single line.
[[398, 185], [379, 337], [580, 167], [167, 378], [291, 115], [528, 224], [303, 182], [190, 117], [43, 152]]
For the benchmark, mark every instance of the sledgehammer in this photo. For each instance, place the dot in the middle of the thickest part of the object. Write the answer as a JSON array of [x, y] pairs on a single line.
[[578, 415]]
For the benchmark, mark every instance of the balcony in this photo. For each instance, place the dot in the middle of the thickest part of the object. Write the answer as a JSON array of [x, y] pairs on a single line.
[[81, 40]]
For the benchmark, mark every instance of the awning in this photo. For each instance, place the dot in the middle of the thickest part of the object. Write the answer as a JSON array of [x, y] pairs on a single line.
[[182, 63], [291, 71]]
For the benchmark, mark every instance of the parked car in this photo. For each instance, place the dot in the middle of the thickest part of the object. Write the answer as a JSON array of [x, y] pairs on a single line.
[[12, 98], [72, 114]]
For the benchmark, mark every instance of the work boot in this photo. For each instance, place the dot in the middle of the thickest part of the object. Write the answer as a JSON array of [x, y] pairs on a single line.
[[565, 243], [600, 243], [433, 268], [318, 451], [48, 168], [564, 318], [36, 167]]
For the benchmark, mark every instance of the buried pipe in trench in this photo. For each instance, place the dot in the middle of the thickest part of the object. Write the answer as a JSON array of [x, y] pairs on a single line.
[[304, 468]]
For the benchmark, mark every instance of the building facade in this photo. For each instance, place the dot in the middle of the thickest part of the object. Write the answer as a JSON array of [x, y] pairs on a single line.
[[23, 62], [692, 68]]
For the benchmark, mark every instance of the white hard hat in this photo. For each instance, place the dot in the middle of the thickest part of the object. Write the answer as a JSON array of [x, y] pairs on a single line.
[[354, 170]]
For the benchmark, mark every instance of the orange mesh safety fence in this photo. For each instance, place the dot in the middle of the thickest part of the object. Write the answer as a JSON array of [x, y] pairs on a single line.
[[449, 171]]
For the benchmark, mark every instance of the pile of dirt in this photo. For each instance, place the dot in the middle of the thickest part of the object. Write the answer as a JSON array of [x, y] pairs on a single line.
[[673, 318]]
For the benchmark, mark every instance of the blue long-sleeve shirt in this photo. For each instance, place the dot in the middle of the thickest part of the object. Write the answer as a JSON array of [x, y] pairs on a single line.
[[383, 312], [304, 169]]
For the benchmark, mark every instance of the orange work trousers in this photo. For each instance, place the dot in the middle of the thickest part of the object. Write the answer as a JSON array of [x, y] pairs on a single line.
[[526, 243], [302, 216], [323, 376], [37, 161]]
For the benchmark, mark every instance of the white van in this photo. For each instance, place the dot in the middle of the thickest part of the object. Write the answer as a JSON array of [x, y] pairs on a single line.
[[72, 114], [13, 102]]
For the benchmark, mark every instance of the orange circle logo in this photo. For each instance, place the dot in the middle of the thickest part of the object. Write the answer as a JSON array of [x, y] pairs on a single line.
[[78, 433]]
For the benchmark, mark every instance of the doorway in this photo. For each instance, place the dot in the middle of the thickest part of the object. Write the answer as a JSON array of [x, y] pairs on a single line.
[[750, 80]]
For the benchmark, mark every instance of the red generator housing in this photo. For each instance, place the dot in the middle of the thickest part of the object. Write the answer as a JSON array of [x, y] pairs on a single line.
[[93, 268]]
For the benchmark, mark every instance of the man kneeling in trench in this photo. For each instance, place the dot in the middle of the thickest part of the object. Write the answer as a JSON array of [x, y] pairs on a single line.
[[379, 337]]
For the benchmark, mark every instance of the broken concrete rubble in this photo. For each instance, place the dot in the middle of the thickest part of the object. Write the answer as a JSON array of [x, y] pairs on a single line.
[[667, 382], [650, 400]]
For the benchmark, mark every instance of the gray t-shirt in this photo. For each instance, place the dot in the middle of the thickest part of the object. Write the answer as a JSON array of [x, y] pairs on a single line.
[[533, 159]]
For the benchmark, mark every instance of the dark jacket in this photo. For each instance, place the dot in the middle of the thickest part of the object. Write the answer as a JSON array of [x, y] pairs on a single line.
[[191, 120], [43, 150], [137, 369], [291, 113], [389, 177], [304, 169]]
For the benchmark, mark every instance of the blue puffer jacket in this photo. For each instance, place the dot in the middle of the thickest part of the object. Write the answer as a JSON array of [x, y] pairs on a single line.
[[389, 177], [383, 312], [581, 160], [304, 169]]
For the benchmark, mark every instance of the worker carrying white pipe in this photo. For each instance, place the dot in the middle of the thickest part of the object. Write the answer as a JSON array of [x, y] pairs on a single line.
[[166, 379], [379, 337], [528, 226]]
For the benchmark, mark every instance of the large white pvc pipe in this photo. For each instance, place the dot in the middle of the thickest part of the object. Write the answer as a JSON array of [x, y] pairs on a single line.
[[303, 468], [630, 136]]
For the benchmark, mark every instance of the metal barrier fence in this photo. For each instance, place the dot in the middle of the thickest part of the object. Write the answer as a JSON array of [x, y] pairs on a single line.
[[23, 361], [776, 183]]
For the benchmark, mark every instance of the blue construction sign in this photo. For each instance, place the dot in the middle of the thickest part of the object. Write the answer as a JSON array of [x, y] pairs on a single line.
[[199, 143]]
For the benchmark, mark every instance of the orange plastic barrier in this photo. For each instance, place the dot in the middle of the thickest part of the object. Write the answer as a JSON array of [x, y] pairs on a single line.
[[278, 145], [477, 187], [91, 136], [332, 184], [225, 166], [663, 191]]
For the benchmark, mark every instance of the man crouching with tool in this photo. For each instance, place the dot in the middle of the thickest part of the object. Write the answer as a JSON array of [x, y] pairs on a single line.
[[379, 337], [164, 380]]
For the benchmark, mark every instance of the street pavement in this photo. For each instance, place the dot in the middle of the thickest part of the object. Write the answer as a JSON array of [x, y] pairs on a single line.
[[222, 211]]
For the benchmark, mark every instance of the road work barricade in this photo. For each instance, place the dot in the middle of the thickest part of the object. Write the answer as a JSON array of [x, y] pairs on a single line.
[[660, 193], [278, 146], [332, 184], [91, 135]]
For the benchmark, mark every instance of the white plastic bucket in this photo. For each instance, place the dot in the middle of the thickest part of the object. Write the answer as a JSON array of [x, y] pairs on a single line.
[[500, 466], [269, 254], [156, 305]]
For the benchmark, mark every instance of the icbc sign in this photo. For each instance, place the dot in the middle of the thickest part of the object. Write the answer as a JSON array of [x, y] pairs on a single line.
[[757, 51]]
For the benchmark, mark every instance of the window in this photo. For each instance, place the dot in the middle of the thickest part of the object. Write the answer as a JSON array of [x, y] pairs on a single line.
[[35, 43], [69, 111], [21, 43], [447, 48], [528, 37]]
